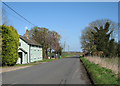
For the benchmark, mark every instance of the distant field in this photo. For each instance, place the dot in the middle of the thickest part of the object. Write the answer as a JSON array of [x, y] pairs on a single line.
[[65, 55], [68, 54]]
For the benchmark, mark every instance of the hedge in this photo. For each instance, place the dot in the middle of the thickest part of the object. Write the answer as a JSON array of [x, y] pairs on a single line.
[[10, 43]]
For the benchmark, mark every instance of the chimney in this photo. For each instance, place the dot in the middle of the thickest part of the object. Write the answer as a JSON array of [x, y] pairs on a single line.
[[27, 33]]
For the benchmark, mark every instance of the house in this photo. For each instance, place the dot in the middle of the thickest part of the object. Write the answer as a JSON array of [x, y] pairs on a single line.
[[29, 50]]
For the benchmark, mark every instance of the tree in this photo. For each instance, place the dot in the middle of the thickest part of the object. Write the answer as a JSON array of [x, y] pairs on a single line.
[[99, 36], [87, 40], [48, 39], [103, 41], [60, 50], [40, 35], [119, 49], [10, 43], [119, 40], [112, 27]]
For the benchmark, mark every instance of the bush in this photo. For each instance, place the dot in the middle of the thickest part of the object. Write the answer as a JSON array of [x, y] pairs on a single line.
[[10, 43]]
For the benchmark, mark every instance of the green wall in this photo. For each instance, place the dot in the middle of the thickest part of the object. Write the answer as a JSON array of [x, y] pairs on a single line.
[[35, 53]]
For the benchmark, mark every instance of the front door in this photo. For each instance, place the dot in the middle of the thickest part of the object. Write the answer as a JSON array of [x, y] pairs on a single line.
[[20, 56]]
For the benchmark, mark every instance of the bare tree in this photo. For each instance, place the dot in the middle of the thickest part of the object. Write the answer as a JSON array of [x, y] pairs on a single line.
[[48, 39]]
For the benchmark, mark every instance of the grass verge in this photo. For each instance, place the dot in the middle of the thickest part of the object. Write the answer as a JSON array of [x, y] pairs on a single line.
[[108, 63], [33, 63], [38, 62], [100, 75]]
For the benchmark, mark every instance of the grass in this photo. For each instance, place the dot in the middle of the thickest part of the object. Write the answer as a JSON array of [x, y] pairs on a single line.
[[38, 62], [100, 75], [109, 63], [34, 63], [65, 55], [47, 60]]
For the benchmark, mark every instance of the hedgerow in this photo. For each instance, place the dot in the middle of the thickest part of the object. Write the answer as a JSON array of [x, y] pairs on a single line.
[[99, 74], [10, 43]]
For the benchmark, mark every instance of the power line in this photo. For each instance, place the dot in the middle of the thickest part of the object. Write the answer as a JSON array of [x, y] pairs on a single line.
[[18, 14]]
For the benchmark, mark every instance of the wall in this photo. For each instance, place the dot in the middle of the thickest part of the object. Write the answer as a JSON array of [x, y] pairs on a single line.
[[25, 46], [35, 53]]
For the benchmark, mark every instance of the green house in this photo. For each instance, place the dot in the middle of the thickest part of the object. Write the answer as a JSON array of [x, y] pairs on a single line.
[[29, 50]]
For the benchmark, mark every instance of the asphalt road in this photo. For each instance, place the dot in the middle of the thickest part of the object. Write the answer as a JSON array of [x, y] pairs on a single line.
[[63, 71]]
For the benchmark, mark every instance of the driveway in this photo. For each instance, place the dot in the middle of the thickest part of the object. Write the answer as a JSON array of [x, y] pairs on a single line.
[[63, 71]]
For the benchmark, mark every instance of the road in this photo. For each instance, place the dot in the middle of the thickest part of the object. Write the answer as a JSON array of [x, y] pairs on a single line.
[[63, 71]]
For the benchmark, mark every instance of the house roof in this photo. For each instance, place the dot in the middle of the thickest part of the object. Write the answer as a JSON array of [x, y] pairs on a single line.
[[22, 50], [30, 41]]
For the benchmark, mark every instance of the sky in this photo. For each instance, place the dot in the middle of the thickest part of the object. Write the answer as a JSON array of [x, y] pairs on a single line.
[[67, 18]]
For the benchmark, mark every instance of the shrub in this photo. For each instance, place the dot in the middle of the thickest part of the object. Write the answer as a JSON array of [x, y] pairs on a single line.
[[10, 42]]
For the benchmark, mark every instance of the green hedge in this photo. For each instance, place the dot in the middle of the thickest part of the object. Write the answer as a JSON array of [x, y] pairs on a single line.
[[99, 74], [10, 43]]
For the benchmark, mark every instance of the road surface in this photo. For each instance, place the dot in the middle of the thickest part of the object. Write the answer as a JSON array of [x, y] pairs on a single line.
[[63, 71]]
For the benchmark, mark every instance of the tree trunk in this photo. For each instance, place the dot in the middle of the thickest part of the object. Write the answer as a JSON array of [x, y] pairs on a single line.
[[46, 53], [50, 50], [43, 53]]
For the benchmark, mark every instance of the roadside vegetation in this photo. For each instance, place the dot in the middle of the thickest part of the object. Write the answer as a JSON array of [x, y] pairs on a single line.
[[64, 55], [100, 75], [100, 46], [50, 40], [109, 63], [33, 63], [99, 38], [10, 43]]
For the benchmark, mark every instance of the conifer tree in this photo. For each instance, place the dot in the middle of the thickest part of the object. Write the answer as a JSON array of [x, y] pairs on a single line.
[[10, 42], [102, 39]]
